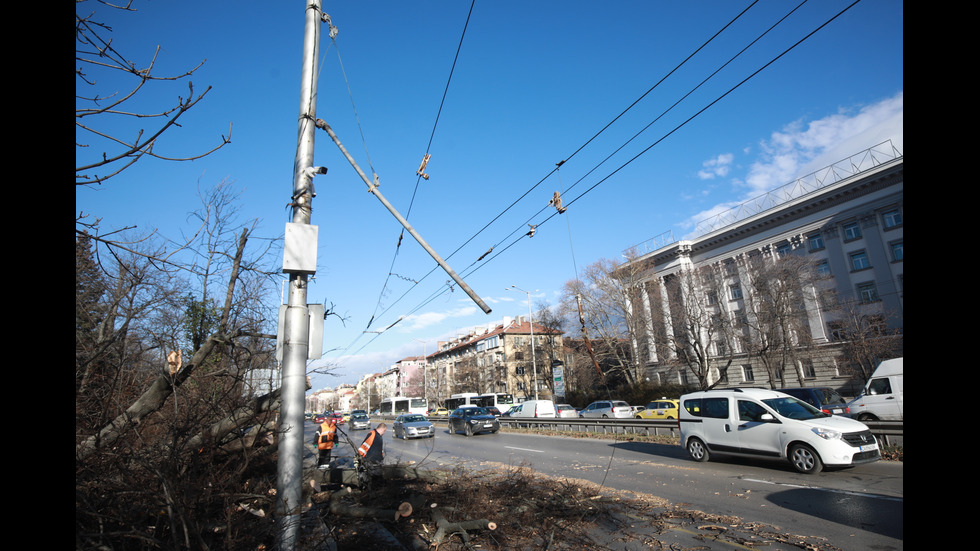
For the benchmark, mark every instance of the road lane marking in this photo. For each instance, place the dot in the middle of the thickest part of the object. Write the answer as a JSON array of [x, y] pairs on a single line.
[[524, 449]]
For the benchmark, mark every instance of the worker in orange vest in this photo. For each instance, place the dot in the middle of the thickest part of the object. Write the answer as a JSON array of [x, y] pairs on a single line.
[[324, 439], [372, 449]]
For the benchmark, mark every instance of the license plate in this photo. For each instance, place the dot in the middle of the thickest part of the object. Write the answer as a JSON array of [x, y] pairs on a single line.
[[837, 411], [868, 448], [488, 425]]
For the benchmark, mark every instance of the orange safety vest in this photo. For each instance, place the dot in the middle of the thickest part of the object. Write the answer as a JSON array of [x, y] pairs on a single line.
[[366, 445], [327, 434]]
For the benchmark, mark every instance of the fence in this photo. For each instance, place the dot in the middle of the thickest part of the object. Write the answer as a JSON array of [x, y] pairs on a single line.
[[887, 432]]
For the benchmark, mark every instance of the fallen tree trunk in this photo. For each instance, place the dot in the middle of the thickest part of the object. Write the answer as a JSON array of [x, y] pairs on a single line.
[[238, 418], [343, 509], [446, 528]]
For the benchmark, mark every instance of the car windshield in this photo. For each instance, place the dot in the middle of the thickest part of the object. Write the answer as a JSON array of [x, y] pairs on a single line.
[[620, 405], [794, 409], [413, 418], [475, 411], [830, 396], [358, 416]]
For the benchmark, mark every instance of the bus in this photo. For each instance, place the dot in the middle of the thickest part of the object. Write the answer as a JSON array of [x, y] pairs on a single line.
[[499, 400], [463, 399], [399, 405]]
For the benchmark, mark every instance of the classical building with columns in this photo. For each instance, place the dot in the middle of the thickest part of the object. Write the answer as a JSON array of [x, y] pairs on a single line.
[[847, 219]]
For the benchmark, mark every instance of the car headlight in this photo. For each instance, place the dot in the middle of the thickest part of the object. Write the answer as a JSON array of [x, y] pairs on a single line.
[[826, 434]]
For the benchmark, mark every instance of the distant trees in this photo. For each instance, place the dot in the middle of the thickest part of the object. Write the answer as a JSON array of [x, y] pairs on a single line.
[[602, 302]]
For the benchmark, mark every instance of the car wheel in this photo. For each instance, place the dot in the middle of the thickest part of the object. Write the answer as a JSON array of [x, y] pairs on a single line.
[[804, 459], [638, 417], [669, 417], [697, 450], [867, 417], [469, 430], [604, 416], [432, 436]]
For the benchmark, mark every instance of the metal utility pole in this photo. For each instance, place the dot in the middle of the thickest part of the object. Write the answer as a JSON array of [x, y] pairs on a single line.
[[300, 245]]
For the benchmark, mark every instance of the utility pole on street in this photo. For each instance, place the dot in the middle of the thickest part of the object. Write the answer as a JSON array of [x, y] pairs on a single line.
[[299, 261]]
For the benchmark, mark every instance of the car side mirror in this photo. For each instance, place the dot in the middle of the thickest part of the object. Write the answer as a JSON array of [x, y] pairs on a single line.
[[767, 417]]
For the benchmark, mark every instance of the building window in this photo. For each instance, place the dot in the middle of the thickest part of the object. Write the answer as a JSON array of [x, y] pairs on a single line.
[[519, 370], [867, 292], [747, 375], [783, 250], [720, 348], [814, 242], [735, 291], [852, 231], [837, 332], [712, 297], [807, 367], [823, 268], [897, 251], [891, 219], [859, 261], [521, 385]]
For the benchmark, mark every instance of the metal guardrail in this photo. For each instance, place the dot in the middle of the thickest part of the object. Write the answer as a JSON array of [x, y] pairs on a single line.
[[887, 432]]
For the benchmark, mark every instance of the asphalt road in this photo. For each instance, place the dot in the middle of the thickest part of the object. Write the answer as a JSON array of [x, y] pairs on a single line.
[[854, 508]]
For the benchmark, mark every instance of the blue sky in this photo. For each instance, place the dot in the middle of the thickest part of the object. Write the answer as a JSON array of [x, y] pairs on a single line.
[[533, 84]]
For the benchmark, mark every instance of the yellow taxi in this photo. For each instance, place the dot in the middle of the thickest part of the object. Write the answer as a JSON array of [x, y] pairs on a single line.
[[660, 409]]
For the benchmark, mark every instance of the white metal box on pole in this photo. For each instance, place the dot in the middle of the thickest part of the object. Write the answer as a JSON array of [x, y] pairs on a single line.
[[299, 254]]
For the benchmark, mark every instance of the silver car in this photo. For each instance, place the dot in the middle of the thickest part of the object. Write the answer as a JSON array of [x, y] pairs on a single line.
[[359, 420], [413, 425], [615, 409], [565, 410]]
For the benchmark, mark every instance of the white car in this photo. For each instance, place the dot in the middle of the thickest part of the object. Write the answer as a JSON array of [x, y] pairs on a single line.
[[614, 409], [566, 410], [752, 422]]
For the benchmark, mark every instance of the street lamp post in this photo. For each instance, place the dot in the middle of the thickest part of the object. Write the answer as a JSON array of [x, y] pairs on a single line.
[[530, 319], [425, 368]]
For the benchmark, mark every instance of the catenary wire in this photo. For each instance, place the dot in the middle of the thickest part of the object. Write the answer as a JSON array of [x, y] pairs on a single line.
[[418, 177], [497, 252]]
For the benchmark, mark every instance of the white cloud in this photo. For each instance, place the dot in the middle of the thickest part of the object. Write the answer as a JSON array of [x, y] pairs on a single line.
[[415, 322], [801, 148], [717, 167]]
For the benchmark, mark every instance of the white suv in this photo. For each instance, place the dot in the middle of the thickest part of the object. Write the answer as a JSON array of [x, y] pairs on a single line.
[[752, 422]]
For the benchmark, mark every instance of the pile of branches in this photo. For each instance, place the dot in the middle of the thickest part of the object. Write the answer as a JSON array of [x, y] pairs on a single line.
[[503, 507], [453, 509]]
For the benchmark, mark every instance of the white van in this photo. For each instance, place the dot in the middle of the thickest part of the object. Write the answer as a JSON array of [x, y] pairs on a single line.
[[754, 422], [882, 397], [533, 408]]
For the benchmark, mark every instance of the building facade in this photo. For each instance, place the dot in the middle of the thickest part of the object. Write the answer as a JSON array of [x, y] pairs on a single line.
[[845, 221], [497, 358]]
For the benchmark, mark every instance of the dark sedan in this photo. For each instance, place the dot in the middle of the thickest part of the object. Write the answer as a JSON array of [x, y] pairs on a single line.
[[472, 420]]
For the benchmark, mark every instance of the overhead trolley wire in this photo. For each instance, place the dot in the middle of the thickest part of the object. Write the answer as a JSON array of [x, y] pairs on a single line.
[[606, 127], [441, 290], [498, 251], [673, 130], [445, 92]]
